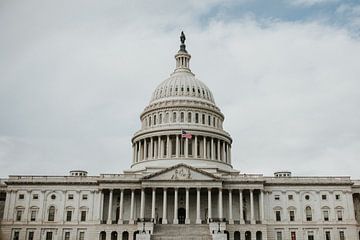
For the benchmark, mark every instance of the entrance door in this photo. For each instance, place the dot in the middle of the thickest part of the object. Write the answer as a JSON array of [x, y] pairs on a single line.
[[181, 215]]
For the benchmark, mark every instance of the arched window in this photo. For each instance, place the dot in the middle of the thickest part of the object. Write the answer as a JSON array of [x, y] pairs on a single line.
[[160, 118], [114, 235], [125, 235], [166, 120], [181, 117], [196, 118], [174, 117], [51, 216], [236, 235], [154, 119], [308, 213], [209, 120], [189, 117], [102, 235], [149, 121], [203, 119]]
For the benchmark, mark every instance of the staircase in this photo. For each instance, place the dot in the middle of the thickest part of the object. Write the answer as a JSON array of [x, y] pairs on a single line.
[[181, 232]]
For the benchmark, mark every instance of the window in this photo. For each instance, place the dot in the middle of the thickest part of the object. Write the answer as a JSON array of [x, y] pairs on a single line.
[[213, 121], [53, 197], [337, 196], [160, 118], [278, 216], [327, 235], [277, 197], [203, 119], [36, 196], [82, 236], [83, 216], [33, 215], [49, 236], [209, 120], [84, 196], [292, 216], [310, 235], [154, 119], [174, 117], [21, 196], [339, 215], [18, 215], [181, 117], [189, 117], [67, 236], [323, 197], [290, 197], [293, 235], [342, 235], [16, 235], [307, 197], [51, 215], [308, 213], [71, 196], [68, 215], [278, 235], [31, 236], [196, 118], [326, 215]]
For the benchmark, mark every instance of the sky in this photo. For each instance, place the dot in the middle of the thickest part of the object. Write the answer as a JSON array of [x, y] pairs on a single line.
[[75, 76]]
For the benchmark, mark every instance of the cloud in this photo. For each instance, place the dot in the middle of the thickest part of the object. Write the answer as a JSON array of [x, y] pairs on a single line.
[[309, 3], [75, 78]]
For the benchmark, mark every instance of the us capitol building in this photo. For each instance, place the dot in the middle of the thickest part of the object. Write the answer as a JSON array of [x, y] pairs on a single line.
[[181, 185]]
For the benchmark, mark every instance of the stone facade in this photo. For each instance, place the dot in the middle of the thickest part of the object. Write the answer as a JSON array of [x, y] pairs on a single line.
[[181, 185]]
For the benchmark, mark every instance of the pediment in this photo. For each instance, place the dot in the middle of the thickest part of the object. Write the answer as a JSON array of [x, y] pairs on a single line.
[[181, 172]]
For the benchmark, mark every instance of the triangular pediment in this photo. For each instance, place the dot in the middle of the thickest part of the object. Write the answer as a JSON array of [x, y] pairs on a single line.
[[181, 172]]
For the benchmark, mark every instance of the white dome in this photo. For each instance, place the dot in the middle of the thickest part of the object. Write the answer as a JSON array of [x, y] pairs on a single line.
[[182, 85]]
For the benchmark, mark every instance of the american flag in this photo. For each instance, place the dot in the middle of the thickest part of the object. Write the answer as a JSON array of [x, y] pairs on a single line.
[[184, 134]]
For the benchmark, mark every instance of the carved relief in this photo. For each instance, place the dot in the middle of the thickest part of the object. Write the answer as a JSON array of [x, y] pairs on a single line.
[[181, 174]]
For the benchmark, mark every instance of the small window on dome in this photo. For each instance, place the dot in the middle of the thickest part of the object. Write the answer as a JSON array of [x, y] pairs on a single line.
[[174, 117], [189, 117], [203, 119], [196, 118], [199, 91], [209, 120], [176, 89], [193, 89], [181, 117], [188, 89], [160, 118], [182, 89], [149, 121], [154, 119]]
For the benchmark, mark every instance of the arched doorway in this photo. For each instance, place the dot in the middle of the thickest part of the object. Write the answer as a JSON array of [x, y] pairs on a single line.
[[237, 235], [125, 235], [258, 235], [247, 235], [181, 215], [227, 235], [102, 235], [135, 233], [114, 236]]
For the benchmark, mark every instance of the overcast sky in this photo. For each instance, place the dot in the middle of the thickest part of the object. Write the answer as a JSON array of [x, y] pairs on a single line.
[[75, 76]]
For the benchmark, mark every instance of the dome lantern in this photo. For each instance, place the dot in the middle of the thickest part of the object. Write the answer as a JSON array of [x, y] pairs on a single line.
[[182, 57]]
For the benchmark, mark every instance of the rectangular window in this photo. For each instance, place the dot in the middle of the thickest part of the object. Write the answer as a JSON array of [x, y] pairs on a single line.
[[85, 196], [277, 197], [278, 235], [16, 235], [293, 235], [342, 235], [327, 235], [292, 216], [71, 196], [68, 216], [67, 236], [49, 236], [323, 197], [196, 118], [21, 196], [290, 197], [339, 215], [326, 215], [36, 196], [82, 236], [83, 216], [31, 236], [278, 216], [311, 235], [337, 196], [18, 215], [33, 215]]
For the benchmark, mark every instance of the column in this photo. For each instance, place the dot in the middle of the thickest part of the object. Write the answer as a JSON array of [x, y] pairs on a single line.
[[109, 220], [134, 153], [131, 221], [252, 206], [195, 153], [261, 204], [139, 151], [223, 152], [186, 148], [159, 147], [176, 221], [142, 204], [164, 218], [229, 161], [187, 219], [212, 149], [151, 148], [7, 203], [198, 219], [155, 149], [168, 151], [153, 204], [241, 207], [220, 205], [227, 153], [177, 146], [145, 149], [231, 220], [121, 209], [204, 142], [209, 205], [101, 209], [218, 150]]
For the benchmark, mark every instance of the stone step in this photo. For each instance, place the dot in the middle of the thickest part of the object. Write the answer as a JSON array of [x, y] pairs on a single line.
[[181, 231]]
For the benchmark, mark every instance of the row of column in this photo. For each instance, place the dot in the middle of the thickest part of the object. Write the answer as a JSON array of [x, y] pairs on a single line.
[[187, 206], [200, 147]]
